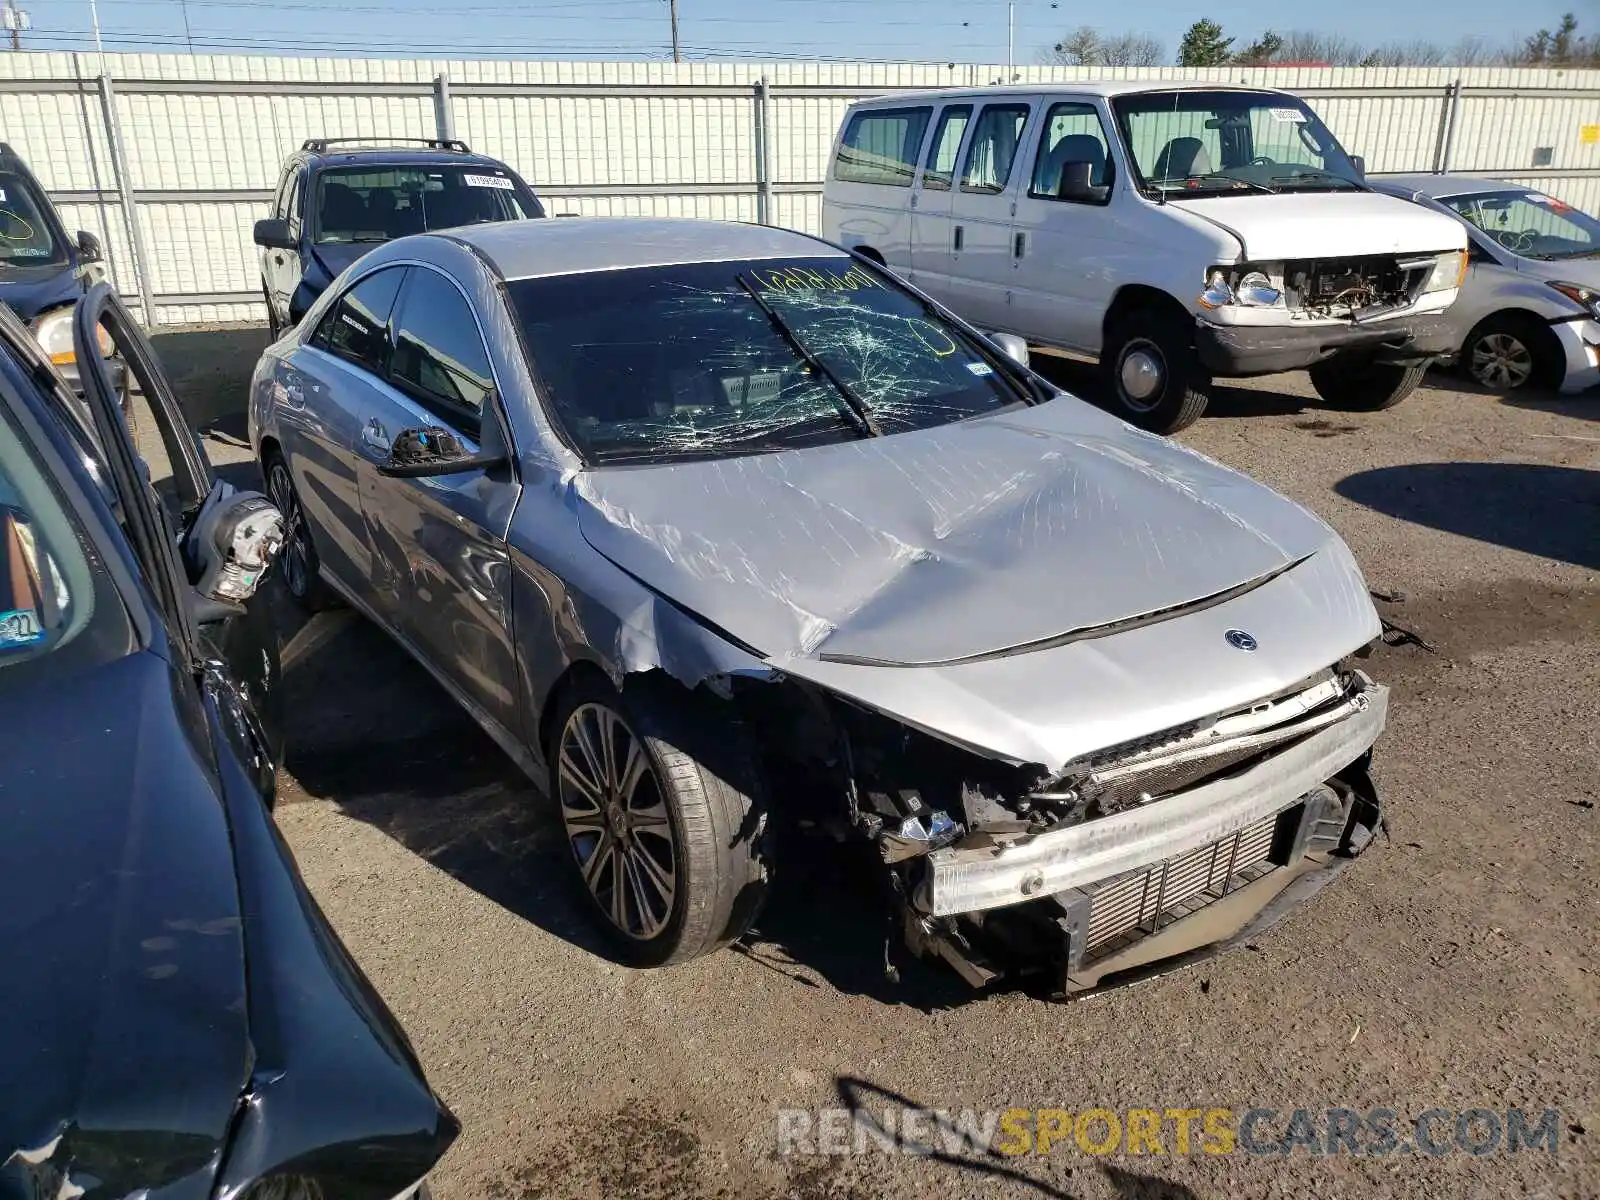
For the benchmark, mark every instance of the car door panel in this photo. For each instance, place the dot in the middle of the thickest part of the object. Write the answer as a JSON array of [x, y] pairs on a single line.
[[441, 540], [324, 411], [981, 211]]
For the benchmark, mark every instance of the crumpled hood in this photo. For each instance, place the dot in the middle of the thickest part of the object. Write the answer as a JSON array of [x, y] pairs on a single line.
[[1327, 224], [947, 543], [125, 1045], [336, 256]]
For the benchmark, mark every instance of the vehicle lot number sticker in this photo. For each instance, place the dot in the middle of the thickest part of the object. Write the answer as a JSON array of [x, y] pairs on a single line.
[[980, 369], [492, 181], [19, 627], [1288, 114]]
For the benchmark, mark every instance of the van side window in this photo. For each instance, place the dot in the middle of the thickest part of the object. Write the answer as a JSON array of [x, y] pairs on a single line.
[[881, 146], [1072, 133], [994, 148], [940, 169]]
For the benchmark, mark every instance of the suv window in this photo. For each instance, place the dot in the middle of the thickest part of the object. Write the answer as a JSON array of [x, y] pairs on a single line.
[[994, 148], [940, 169], [376, 203], [881, 146], [438, 351], [296, 208], [1072, 133], [357, 326]]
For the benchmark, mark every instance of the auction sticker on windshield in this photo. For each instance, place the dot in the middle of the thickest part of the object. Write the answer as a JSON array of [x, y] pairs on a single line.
[[488, 181], [1288, 114], [19, 627]]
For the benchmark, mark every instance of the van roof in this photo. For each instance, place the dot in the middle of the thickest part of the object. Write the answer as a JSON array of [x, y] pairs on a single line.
[[1081, 87]]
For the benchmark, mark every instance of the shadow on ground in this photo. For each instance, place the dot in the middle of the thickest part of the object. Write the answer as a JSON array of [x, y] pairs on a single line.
[[1083, 380], [369, 730], [210, 371], [940, 1139], [1550, 511]]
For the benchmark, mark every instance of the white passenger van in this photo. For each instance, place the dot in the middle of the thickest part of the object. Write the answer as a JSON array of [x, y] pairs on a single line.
[[1175, 232]]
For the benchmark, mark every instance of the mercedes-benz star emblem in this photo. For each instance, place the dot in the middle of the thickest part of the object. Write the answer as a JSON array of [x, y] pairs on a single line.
[[1240, 640]]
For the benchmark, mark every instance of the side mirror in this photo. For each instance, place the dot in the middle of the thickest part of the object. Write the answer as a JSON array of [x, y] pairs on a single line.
[[1075, 184], [420, 453], [1360, 164], [229, 545], [1013, 347], [89, 247], [273, 233]]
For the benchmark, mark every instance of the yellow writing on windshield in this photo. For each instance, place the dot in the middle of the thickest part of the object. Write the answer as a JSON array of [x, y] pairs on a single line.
[[810, 279]]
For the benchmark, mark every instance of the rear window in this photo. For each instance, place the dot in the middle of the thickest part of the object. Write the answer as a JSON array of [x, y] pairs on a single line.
[[26, 239], [375, 204], [711, 360], [881, 146]]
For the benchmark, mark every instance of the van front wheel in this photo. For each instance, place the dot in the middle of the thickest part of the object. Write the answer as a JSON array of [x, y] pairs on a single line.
[[1361, 385], [1152, 373]]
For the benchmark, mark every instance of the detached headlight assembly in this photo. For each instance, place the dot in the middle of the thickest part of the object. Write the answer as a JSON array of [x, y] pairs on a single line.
[[1584, 297], [1449, 269], [53, 332], [1253, 289]]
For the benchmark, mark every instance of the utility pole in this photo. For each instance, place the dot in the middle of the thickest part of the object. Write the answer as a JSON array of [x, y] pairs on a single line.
[[16, 22], [1011, 41], [99, 50], [676, 56], [188, 35]]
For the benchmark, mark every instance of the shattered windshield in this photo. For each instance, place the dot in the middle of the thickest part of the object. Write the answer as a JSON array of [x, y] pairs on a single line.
[[1196, 142], [717, 359]]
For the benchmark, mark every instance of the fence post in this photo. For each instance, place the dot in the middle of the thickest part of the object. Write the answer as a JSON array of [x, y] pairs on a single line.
[[763, 152], [444, 120], [130, 214], [1447, 128]]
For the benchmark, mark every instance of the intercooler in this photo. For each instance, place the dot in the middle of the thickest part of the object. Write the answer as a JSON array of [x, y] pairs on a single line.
[[1124, 909]]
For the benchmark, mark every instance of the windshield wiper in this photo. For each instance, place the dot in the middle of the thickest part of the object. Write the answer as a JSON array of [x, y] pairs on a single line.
[[856, 410]]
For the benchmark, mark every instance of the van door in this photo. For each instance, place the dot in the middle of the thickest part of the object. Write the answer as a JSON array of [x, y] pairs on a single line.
[[930, 202], [981, 212], [872, 175], [1067, 246]]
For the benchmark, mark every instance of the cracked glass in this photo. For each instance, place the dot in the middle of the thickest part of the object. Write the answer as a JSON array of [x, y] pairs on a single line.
[[710, 360]]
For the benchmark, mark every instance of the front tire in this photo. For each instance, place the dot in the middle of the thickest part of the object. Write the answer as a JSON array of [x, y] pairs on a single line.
[[1361, 385], [1152, 373], [298, 560], [664, 814], [1508, 350]]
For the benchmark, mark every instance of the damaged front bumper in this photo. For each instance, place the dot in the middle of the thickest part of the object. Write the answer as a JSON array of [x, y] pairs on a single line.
[[1241, 350], [1139, 887]]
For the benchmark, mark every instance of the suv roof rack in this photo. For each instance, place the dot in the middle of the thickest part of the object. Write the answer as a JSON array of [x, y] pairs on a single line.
[[320, 145]]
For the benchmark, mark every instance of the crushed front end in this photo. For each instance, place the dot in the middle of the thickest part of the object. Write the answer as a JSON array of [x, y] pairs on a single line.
[[1126, 860]]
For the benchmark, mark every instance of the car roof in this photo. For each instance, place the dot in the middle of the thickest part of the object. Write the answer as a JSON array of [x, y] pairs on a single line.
[[399, 156], [573, 245], [1090, 87], [1438, 186]]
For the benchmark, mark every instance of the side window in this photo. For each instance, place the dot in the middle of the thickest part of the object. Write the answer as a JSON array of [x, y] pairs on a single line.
[[1072, 133], [438, 351], [357, 326], [994, 148], [940, 168], [280, 201], [296, 206], [881, 146]]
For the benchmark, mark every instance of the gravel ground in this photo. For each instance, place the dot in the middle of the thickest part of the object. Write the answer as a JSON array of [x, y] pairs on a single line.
[[1454, 967]]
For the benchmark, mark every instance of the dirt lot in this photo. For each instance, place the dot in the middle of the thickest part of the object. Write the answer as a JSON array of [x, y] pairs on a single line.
[[1453, 968]]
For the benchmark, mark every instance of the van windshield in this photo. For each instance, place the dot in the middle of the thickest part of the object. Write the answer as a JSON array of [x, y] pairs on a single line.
[[374, 204], [1227, 143], [25, 235]]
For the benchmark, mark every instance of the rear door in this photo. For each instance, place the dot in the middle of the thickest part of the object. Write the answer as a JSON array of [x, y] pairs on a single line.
[[333, 387], [981, 211], [442, 539], [930, 201], [281, 269], [873, 168]]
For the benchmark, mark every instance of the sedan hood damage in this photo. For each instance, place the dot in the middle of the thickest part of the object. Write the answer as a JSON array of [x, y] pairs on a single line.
[[911, 572]]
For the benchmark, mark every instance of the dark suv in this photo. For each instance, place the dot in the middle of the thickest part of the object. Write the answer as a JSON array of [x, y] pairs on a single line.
[[336, 200]]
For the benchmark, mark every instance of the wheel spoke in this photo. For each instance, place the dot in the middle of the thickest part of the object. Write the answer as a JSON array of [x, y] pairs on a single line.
[[582, 781], [650, 901], [583, 740], [594, 865], [659, 875], [608, 749], [619, 893], [635, 767], [651, 817]]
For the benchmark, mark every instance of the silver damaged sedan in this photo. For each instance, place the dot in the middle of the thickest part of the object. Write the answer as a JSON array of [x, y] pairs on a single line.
[[722, 532]]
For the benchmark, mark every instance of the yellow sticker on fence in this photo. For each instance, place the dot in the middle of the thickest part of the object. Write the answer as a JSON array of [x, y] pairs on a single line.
[[1589, 134]]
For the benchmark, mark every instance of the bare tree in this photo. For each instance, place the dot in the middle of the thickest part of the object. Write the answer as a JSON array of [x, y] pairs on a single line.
[[1085, 47]]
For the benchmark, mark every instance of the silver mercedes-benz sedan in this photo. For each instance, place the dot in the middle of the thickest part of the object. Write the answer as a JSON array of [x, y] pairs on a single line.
[[722, 532]]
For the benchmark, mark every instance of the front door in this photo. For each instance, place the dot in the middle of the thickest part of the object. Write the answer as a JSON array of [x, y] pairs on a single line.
[[444, 536], [930, 202], [1068, 254], [981, 211], [282, 268]]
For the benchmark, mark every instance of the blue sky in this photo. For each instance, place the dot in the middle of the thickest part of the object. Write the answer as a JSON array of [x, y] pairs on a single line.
[[903, 30]]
